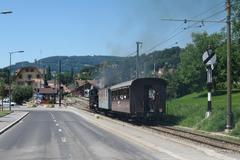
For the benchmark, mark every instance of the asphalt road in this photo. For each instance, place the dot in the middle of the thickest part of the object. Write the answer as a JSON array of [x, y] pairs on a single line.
[[57, 135]]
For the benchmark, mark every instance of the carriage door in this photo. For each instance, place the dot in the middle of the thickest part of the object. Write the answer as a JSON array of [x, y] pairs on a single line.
[[149, 98]]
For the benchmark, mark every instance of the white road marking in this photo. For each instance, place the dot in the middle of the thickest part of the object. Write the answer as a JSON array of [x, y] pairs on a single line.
[[59, 130], [69, 156], [57, 124], [52, 115], [54, 120], [63, 139]]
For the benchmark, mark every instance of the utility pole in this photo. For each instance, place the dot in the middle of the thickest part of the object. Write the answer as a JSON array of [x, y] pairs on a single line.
[[229, 69], [10, 83], [10, 79], [59, 83], [137, 59]]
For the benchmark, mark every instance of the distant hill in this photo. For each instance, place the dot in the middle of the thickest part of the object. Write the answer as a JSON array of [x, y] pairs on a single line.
[[166, 58], [68, 62]]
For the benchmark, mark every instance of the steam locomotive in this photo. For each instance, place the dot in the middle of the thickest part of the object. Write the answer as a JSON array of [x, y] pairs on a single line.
[[142, 98]]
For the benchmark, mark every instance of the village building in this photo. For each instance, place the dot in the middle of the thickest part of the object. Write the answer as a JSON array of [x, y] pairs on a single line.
[[48, 95], [30, 76], [83, 86]]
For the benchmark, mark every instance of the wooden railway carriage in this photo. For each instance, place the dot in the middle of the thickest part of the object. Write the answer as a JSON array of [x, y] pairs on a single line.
[[140, 98], [104, 100], [143, 97]]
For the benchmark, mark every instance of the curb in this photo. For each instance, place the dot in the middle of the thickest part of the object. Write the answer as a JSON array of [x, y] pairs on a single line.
[[12, 124]]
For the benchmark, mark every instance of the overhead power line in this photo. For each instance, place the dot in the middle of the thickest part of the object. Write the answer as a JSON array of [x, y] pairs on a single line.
[[196, 22], [164, 41], [205, 20], [190, 20], [220, 4]]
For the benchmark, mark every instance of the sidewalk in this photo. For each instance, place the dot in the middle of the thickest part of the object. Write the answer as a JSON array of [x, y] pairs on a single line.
[[10, 120]]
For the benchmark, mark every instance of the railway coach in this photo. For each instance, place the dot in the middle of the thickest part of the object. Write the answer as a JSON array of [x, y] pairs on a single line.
[[143, 98]]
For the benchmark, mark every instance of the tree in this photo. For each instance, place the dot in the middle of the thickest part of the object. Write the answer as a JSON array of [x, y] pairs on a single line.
[[66, 78], [22, 93], [72, 75], [48, 74], [236, 39], [236, 21], [2, 91], [88, 73], [191, 72], [4, 75]]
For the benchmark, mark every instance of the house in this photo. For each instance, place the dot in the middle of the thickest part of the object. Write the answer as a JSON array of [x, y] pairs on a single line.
[[30, 76], [54, 84], [83, 85], [48, 95]]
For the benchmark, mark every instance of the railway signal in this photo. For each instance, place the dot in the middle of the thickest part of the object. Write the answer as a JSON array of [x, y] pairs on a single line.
[[209, 59]]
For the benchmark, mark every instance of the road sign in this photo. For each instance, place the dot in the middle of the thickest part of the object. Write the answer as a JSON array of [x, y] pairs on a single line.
[[209, 57]]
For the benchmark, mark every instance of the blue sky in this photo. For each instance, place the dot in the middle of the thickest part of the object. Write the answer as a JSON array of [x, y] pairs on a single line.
[[45, 28]]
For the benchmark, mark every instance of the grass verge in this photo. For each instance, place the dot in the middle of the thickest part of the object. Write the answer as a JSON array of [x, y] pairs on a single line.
[[4, 113], [189, 111]]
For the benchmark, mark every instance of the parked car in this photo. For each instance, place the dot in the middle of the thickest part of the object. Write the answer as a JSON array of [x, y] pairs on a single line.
[[6, 102]]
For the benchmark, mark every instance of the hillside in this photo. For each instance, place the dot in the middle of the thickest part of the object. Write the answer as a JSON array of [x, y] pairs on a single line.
[[168, 57], [68, 62], [190, 111]]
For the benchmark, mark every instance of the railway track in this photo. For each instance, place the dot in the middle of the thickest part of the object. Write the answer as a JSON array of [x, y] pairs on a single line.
[[190, 135], [199, 138]]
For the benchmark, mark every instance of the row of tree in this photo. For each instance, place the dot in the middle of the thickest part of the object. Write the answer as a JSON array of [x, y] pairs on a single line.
[[66, 77]]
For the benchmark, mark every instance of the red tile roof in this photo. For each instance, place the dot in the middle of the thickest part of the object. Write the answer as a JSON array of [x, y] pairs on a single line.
[[47, 91]]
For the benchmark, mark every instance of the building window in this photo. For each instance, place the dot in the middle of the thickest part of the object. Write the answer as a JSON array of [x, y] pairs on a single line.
[[32, 70], [20, 76], [27, 70], [38, 76], [29, 77]]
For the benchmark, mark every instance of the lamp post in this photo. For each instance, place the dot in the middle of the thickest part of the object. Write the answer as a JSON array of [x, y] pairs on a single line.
[[10, 82]]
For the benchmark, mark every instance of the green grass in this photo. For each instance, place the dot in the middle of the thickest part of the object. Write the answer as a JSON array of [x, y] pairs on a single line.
[[190, 111], [4, 113]]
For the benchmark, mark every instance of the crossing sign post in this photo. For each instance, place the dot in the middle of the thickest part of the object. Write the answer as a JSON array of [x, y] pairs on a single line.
[[209, 59]]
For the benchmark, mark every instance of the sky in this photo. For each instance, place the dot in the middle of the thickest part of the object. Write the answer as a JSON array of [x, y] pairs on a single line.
[[44, 28]]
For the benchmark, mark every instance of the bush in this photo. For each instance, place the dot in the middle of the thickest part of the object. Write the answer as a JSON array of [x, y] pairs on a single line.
[[22, 93], [236, 130], [188, 115], [51, 101], [216, 122]]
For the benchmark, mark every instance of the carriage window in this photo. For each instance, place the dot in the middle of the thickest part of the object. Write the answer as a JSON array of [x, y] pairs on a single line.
[[120, 94], [151, 94]]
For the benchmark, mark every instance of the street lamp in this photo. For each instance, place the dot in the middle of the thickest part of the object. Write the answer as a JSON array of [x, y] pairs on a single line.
[[10, 82]]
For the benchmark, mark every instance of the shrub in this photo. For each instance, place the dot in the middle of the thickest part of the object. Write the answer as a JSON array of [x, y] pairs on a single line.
[[216, 122], [236, 130], [22, 93], [51, 101]]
